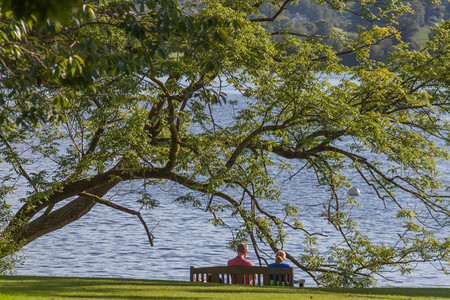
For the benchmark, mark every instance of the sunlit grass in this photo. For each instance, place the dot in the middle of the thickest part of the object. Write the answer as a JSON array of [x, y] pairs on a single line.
[[28, 287]]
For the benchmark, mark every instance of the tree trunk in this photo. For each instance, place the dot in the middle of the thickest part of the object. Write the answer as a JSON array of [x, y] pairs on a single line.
[[59, 218]]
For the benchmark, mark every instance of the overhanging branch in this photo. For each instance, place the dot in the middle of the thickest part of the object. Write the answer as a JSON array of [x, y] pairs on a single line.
[[121, 208]]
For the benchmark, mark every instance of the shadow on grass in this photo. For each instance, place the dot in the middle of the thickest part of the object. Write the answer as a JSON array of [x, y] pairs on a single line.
[[90, 288], [93, 297], [417, 292]]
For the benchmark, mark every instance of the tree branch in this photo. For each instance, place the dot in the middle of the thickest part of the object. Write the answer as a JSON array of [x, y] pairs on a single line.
[[246, 142], [21, 170], [174, 138], [270, 19], [121, 208]]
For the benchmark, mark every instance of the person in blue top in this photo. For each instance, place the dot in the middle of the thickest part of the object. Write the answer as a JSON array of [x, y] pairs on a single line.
[[279, 260], [280, 256]]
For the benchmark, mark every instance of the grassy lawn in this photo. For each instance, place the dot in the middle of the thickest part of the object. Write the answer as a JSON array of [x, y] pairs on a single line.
[[28, 287]]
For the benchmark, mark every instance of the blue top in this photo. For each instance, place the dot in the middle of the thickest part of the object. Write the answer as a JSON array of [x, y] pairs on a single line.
[[283, 265]]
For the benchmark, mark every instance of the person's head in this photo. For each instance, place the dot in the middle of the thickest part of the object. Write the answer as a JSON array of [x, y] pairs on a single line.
[[280, 257], [242, 249]]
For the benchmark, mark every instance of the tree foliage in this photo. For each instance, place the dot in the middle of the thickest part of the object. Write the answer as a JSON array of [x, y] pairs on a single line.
[[129, 90], [61, 11]]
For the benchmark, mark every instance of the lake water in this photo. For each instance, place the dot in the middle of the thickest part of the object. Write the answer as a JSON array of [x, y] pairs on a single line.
[[110, 243]]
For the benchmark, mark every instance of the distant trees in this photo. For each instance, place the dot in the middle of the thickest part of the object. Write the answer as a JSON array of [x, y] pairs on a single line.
[[413, 24], [410, 28], [323, 27]]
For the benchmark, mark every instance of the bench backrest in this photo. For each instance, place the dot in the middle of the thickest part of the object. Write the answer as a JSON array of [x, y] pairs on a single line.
[[257, 276]]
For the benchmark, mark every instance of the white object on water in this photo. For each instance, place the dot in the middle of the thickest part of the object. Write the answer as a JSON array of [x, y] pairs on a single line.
[[354, 191]]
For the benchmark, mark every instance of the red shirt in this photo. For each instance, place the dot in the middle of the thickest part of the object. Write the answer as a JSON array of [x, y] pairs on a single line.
[[239, 261]]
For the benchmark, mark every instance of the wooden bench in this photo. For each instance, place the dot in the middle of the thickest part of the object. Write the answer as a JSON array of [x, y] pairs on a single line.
[[245, 275]]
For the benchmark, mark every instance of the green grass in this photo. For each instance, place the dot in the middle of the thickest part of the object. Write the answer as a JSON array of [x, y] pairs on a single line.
[[30, 287]]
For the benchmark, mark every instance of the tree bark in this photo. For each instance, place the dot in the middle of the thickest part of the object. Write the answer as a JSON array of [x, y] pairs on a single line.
[[63, 216]]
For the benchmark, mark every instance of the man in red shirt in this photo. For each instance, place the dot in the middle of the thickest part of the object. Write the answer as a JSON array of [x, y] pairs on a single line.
[[240, 260]]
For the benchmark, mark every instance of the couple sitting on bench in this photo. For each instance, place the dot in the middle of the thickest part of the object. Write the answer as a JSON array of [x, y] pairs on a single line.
[[240, 260], [242, 271]]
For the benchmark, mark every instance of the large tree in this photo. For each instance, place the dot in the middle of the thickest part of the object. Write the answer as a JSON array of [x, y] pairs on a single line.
[[129, 90]]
